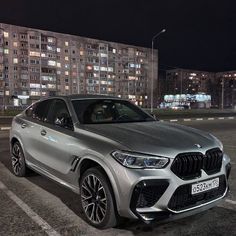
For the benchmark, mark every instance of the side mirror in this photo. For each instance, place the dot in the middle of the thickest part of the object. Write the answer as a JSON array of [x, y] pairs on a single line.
[[64, 121]]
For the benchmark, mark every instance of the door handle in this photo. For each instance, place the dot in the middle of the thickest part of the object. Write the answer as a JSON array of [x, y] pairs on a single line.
[[43, 132], [23, 125]]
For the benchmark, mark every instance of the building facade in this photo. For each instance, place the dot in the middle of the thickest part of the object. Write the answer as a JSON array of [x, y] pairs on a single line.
[[36, 63], [226, 87], [220, 86]]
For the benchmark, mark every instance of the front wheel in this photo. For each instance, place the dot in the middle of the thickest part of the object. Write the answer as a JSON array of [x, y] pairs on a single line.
[[18, 160], [97, 200]]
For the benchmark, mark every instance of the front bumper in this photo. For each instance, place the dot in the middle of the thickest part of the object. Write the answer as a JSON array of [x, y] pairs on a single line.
[[158, 194]]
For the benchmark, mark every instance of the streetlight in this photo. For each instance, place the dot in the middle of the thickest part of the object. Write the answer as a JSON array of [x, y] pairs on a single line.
[[152, 82]]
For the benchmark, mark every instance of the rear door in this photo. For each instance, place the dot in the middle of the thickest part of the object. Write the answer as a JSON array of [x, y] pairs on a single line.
[[35, 118], [57, 146]]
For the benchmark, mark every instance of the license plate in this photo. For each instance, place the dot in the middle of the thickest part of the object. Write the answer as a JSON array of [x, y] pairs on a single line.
[[205, 186]]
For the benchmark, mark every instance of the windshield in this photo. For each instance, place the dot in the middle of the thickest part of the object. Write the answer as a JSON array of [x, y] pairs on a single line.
[[97, 111]]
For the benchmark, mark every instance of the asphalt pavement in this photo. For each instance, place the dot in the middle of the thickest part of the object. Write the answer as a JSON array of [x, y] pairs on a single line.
[[38, 206]]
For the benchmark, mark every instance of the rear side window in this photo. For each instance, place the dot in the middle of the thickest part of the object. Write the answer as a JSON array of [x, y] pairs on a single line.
[[58, 109], [39, 111], [29, 111]]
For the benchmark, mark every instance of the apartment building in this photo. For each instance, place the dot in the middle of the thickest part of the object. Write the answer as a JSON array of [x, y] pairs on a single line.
[[37, 63], [226, 82], [221, 85]]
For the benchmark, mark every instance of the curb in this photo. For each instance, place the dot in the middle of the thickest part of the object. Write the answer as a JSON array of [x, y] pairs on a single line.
[[200, 119], [6, 117], [4, 128]]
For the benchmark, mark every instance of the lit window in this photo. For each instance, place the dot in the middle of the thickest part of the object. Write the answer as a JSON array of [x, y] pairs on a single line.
[[7, 93], [103, 55], [89, 67], [49, 48], [66, 43], [66, 72], [34, 93], [50, 40], [58, 64], [103, 68], [51, 86], [6, 51], [58, 72], [15, 60], [15, 44], [67, 58], [34, 85], [114, 50], [58, 50], [66, 87], [51, 63], [96, 68], [43, 55], [34, 54], [6, 34], [81, 53]]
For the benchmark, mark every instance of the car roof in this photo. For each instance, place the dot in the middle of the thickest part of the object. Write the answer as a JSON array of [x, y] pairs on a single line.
[[89, 96], [82, 96]]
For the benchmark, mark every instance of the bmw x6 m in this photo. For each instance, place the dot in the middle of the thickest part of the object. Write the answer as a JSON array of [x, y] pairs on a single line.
[[119, 159]]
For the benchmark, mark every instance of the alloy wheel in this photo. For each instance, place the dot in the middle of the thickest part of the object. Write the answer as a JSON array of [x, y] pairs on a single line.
[[94, 199], [17, 158]]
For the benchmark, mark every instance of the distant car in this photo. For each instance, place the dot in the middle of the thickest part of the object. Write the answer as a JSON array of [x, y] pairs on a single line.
[[119, 159], [180, 107]]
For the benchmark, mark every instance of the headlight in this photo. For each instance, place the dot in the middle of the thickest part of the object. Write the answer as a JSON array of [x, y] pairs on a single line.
[[136, 160]]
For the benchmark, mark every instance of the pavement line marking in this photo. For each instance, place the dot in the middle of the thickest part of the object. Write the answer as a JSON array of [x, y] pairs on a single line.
[[36, 218], [231, 201], [199, 119], [5, 128], [221, 118], [211, 118], [230, 146], [173, 120], [187, 119], [231, 118]]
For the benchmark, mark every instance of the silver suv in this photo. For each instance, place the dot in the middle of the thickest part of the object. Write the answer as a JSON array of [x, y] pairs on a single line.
[[119, 159]]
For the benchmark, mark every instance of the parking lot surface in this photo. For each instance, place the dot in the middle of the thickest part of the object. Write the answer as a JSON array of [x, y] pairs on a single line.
[[38, 206]]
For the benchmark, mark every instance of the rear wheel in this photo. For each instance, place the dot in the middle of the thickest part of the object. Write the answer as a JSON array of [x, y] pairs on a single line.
[[18, 160], [97, 200]]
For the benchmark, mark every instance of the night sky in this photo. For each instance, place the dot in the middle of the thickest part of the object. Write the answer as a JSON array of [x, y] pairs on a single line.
[[201, 34]]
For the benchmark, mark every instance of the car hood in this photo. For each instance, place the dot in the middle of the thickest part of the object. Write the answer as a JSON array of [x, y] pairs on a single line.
[[159, 138]]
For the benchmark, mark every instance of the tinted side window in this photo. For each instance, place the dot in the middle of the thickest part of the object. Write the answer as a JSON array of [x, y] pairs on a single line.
[[59, 109], [40, 112], [30, 110]]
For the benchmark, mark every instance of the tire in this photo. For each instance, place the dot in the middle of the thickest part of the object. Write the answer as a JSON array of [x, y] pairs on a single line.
[[18, 160], [97, 200]]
